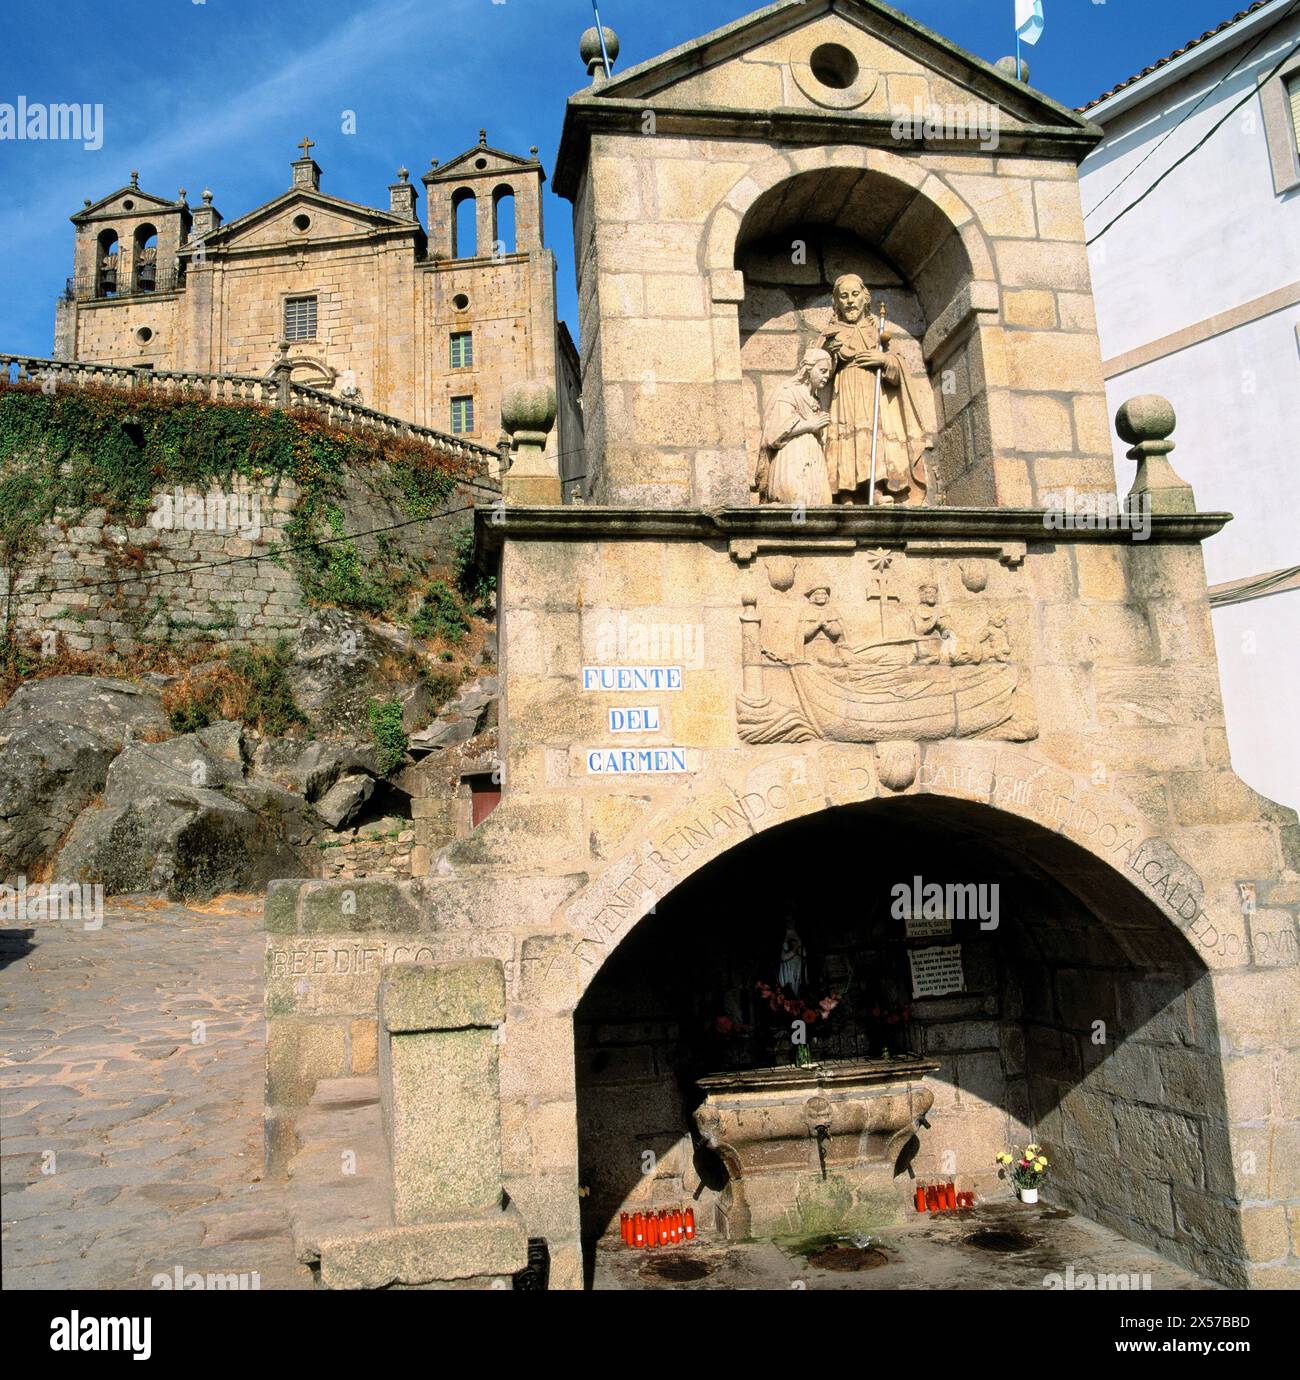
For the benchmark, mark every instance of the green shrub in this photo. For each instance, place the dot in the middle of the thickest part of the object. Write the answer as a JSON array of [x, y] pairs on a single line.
[[387, 733], [251, 686], [441, 615]]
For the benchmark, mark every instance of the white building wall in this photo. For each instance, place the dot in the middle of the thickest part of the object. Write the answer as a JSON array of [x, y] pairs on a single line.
[[1212, 237]]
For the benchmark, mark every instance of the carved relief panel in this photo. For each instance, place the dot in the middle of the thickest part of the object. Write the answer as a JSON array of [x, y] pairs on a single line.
[[884, 645]]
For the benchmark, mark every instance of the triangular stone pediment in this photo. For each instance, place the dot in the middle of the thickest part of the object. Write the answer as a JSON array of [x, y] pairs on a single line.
[[847, 57], [480, 161], [115, 204], [327, 217]]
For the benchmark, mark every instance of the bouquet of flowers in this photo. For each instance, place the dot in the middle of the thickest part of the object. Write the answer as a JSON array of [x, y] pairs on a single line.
[[806, 1008], [1026, 1168]]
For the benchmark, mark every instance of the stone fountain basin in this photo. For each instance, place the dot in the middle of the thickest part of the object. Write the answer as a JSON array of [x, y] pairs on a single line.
[[766, 1119]]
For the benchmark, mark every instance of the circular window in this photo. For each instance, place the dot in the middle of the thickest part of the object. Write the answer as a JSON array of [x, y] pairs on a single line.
[[144, 335], [834, 66], [301, 223], [128, 205], [460, 302], [480, 162]]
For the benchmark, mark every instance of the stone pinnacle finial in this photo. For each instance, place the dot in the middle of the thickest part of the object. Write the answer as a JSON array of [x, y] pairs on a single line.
[[1146, 423], [135, 178], [180, 195], [482, 138], [590, 50]]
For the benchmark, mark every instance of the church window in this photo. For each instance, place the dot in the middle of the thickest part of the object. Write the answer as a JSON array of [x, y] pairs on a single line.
[[300, 318], [462, 416], [464, 228], [462, 349], [503, 221]]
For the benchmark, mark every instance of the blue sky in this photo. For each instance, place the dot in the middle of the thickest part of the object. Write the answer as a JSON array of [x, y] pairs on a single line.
[[217, 93]]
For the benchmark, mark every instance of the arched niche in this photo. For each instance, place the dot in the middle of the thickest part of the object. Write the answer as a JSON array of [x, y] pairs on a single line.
[[800, 234], [1085, 1012]]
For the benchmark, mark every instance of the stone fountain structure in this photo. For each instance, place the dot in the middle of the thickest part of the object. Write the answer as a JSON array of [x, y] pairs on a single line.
[[952, 645]]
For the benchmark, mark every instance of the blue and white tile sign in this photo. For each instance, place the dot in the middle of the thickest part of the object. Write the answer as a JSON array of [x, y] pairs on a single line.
[[640, 718]]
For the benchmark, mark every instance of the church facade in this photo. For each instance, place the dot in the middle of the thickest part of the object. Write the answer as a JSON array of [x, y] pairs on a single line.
[[426, 324], [747, 739]]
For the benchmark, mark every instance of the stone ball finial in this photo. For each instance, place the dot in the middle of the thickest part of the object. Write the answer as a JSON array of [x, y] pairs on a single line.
[[528, 410], [589, 48], [1007, 65], [403, 174], [207, 196], [1147, 421], [180, 195], [86, 202]]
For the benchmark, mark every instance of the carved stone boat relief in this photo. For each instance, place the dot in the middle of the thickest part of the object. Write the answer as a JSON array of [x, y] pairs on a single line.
[[886, 665]]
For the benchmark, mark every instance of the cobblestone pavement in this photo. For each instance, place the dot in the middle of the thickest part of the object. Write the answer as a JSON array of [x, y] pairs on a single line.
[[131, 1065]]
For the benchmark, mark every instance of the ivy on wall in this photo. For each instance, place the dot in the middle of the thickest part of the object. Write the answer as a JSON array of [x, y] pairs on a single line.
[[65, 454]]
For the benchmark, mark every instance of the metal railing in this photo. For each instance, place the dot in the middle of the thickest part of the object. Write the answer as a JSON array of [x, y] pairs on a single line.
[[109, 284], [270, 390]]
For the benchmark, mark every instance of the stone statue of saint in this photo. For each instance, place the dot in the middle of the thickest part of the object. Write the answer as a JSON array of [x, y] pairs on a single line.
[[791, 461], [861, 353]]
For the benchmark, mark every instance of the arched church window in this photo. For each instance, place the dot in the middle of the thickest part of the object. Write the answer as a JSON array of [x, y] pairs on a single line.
[[464, 225], [106, 264], [146, 259], [503, 221]]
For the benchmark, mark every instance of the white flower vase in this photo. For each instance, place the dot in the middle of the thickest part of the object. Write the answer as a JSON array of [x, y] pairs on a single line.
[[1028, 1195]]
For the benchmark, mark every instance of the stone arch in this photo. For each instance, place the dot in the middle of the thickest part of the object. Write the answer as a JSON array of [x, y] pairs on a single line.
[[713, 816], [1089, 943], [505, 228], [108, 260], [144, 258], [931, 238], [464, 224]]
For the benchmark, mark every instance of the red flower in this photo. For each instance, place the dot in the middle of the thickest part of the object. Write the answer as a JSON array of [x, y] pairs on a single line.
[[809, 1017]]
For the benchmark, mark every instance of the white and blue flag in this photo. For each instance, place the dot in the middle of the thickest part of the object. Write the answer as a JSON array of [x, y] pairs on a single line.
[[1029, 21]]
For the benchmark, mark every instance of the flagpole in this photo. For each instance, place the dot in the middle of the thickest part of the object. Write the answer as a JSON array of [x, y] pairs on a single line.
[[600, 32], [1013, 20]]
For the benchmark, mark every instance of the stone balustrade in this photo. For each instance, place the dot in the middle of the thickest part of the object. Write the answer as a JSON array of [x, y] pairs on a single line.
[[274, 389]]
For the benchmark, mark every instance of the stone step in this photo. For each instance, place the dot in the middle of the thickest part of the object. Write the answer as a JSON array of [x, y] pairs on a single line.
[[340, 1179]]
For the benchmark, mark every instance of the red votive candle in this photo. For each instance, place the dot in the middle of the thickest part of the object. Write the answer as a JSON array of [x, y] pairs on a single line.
[[931, 1198], [688, 1224], [920, 1197], [638, 1230]]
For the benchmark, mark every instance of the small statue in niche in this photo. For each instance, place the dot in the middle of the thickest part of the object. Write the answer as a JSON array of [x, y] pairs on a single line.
[[867, 370], [792, 974], [791, 461]]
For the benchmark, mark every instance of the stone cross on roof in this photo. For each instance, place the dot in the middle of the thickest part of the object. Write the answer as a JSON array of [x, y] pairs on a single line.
[[306, 146]]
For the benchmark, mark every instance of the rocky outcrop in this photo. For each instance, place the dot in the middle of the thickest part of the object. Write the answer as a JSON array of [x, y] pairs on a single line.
[[181, 817], [57, 739], [342, 662]]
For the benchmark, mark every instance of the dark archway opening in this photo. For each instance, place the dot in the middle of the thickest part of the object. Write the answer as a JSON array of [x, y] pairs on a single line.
[[1086, 1022]]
